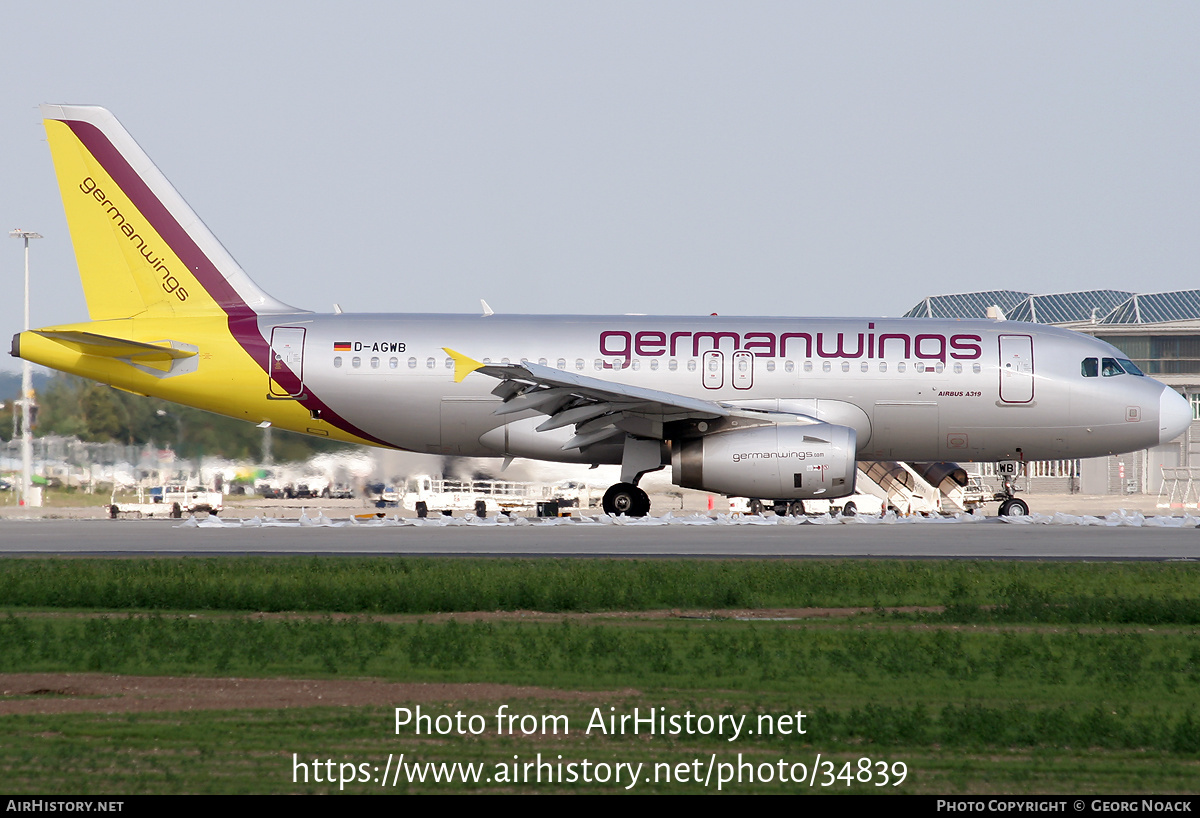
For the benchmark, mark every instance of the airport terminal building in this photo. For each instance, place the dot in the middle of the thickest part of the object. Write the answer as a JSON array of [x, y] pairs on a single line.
[[1160, 332]]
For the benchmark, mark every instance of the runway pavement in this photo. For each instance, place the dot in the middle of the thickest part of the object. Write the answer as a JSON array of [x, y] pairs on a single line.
[[989, 539]]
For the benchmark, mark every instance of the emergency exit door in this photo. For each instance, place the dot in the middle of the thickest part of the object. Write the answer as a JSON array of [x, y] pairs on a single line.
[[714, 366]]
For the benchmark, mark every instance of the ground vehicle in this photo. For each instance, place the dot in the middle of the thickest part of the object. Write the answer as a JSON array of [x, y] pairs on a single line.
[[167, 501], [426, 493], [849, 506]]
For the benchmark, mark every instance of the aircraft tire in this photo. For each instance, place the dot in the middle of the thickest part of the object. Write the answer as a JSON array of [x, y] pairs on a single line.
[[1014, 508], [627, 499], [796, 508], [849, 510], [643, 507], [756, 507]]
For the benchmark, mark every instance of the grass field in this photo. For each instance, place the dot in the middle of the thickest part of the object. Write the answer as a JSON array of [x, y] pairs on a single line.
[[1011, 677]]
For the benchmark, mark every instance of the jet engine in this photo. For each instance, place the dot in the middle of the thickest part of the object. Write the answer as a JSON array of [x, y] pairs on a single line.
[[780, 462]]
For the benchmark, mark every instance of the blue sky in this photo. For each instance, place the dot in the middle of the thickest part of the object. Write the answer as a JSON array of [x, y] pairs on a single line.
[[677, 157]]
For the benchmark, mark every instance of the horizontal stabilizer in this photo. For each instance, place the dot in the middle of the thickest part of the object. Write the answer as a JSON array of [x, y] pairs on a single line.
[[104, 346]]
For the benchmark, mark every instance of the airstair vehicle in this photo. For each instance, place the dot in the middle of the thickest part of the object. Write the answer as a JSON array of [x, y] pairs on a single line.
[[905, 488], [1180, 488]]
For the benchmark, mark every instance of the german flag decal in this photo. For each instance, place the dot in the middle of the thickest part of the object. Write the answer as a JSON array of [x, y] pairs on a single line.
[[341, 346]]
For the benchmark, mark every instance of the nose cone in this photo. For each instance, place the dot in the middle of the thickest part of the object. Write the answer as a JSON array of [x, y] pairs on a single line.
[[1174, 415]]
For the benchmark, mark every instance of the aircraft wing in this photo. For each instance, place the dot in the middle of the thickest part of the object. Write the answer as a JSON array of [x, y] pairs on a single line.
[[601, 409]]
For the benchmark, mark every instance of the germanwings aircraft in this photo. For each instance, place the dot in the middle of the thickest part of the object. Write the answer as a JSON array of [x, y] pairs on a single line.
[[774, 408]]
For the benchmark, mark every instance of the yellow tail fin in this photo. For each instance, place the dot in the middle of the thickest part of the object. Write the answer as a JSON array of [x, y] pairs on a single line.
[[140, 247]]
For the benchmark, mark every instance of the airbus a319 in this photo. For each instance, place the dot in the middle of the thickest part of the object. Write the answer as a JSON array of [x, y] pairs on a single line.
[[778, 408]]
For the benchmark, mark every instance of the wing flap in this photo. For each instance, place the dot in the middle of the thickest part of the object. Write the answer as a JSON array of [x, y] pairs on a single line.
[[601, 409]]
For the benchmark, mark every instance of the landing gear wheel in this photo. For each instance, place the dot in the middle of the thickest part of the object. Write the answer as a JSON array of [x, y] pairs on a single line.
[[1014, 508], [796, 508], [756, 507], [849, 510], [627, 499]]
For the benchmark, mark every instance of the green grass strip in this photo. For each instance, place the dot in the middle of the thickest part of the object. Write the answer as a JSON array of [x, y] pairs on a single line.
[[973, 591]]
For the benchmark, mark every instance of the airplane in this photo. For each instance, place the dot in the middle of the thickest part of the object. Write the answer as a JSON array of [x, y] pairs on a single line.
[[763, 407]]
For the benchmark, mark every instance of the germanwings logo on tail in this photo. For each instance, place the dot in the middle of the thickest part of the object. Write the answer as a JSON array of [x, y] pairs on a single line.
[[169, 282]]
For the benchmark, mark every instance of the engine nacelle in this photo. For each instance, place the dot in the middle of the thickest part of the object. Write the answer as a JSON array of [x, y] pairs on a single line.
[[778, 462]]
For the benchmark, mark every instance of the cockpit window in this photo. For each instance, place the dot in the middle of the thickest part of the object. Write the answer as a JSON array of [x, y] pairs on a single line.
[[1130, 367], [1110, 367], [1090, 367]]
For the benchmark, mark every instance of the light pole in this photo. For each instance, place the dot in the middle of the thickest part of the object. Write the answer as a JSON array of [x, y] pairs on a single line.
[[26, 385]]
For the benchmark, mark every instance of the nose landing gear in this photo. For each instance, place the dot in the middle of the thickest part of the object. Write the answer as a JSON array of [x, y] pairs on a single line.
[[1010, 506]]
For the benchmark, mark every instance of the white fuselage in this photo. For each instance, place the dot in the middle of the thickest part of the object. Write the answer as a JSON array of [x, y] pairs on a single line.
[[913, 389]]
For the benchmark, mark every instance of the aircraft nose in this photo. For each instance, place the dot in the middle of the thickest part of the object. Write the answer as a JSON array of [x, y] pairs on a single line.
[[1174, 415]]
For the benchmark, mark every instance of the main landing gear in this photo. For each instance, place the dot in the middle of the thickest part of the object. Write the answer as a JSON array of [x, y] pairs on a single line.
[[627, 499], [640, 456]]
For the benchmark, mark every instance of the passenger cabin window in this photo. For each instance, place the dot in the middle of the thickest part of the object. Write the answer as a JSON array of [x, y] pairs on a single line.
[[1090, 367]]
